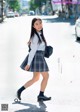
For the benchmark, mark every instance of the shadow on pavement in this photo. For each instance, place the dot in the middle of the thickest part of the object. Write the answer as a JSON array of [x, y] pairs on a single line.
[[32, 108], [59, 19], [78, 41]]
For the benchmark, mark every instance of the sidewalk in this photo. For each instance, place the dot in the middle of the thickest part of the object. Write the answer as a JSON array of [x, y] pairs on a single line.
[[64, 88]]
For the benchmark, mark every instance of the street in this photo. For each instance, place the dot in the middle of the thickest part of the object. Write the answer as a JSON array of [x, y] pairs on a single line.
[[64, 65]]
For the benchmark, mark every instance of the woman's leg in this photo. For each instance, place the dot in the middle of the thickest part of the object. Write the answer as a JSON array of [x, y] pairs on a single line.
[[35, 78], [44, 82]]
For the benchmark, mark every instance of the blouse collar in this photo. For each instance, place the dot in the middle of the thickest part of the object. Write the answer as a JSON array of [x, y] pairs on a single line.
[[39, 33]]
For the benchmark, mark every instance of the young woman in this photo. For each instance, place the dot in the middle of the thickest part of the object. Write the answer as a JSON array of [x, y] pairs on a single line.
[[35, 61]]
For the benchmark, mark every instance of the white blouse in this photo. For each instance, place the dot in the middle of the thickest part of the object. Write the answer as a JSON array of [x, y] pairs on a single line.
[[35, 46]]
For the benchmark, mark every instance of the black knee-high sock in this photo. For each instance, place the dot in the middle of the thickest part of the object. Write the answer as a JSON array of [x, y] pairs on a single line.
[[41, 93], [19, 92]]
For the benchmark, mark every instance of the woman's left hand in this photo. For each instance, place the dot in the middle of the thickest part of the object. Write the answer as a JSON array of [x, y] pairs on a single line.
[[27, 67]]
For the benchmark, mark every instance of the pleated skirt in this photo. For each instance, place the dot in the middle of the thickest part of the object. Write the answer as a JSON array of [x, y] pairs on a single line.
[[38, 63]]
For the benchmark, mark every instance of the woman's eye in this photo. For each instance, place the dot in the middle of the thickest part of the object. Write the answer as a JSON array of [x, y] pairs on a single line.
[[36, 24]]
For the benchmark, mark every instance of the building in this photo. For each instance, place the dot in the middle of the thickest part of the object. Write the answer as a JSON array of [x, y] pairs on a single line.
[[67, 8], [24, 6]]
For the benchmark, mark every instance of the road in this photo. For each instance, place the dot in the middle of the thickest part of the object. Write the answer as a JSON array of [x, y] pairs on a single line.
[[64, 80]]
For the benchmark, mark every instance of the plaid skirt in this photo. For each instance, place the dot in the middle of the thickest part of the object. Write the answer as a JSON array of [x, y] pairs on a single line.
[[38, 63]]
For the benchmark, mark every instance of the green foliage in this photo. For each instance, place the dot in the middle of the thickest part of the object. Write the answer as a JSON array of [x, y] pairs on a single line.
[[36, 4], [32, 5], [39, 3], [14, 4]]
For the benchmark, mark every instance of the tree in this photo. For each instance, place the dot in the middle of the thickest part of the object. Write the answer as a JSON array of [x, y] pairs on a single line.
[[14, 4], [39, 3], [32, 5], [36, 4]]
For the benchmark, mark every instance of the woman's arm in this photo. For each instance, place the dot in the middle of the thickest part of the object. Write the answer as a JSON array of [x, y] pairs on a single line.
[[34, 47]]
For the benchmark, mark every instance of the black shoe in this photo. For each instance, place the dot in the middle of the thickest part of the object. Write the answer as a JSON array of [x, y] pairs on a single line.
[[43, 98], [19, 95]]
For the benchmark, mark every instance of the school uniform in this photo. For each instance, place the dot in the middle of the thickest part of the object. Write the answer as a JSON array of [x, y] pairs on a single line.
[[35, 59]]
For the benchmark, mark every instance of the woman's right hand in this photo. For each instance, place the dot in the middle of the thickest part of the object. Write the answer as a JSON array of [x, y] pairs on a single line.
[[29, 42], [27, 67]]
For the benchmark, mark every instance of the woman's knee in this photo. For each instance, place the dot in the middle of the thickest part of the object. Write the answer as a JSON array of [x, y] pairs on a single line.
[[36, 77], [45, 75]]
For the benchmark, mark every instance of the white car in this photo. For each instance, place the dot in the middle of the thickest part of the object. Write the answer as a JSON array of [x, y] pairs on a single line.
[[77, 29], [10, 14]]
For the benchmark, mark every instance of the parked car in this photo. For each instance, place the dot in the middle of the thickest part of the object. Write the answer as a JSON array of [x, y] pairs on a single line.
[[31, 12], [10, 14], [16, 14], [77, 29]]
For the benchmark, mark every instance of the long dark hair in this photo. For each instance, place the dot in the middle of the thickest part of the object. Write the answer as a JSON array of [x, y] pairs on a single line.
[[33, 31]]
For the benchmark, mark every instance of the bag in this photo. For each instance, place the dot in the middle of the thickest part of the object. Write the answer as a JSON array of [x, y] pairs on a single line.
[[48, 51]]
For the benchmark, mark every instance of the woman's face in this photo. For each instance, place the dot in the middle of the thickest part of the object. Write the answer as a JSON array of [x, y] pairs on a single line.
[[38, 25]]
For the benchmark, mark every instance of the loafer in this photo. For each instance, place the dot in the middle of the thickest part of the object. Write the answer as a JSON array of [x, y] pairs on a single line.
[[43, 98]]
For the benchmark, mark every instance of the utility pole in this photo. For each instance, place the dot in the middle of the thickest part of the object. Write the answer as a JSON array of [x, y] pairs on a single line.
[[1, 11]]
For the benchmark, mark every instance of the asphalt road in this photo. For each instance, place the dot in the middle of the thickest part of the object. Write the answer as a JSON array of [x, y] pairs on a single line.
[[64, 65]]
